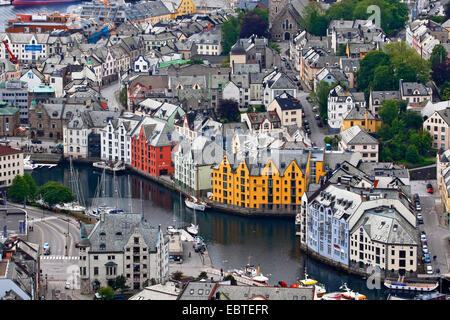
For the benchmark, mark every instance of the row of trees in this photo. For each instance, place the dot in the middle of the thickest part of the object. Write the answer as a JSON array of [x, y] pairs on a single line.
[[382, 70], [247, 23], [25, 188], [401, 136], [441, 70], [393, 14]]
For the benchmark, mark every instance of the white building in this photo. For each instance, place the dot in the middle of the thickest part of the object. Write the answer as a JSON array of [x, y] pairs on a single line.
[[116, 138], [11, 165], [340, 102], [27, 47], [193, 164], [276, 83], [357, 139], [84, 127], [122, 245], [141, 64]]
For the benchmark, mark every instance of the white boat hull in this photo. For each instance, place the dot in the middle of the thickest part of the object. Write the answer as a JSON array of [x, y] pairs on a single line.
[[71, 207], [111, 168], [195, 206], [193, 230], [411, 287]]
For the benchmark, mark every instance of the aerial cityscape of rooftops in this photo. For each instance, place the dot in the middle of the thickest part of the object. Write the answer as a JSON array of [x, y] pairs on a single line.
[[224, 150]]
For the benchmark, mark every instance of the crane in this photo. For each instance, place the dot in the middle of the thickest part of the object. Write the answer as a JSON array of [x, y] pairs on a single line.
[[12, 58]]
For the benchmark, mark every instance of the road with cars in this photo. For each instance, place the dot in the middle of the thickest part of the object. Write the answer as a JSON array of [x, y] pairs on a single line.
[[436, 234]]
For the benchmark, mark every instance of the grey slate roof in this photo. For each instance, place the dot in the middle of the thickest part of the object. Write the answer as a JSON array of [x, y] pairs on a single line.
[[357, 135], [105, 236]]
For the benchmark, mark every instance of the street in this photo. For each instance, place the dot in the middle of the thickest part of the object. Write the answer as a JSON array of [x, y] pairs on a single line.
[[58, 230], [318, 134], [109, 93], [436, 232]]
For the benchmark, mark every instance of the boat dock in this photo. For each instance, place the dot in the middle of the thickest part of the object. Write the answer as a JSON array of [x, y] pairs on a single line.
[[194, 263]]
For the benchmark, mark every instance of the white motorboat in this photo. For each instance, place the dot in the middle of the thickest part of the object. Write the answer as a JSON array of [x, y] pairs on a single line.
[[109, 166], [411, 286], [194, 203], [346, 294], [252, 273], [192, 229], [28, 164], [72, 207], [107, 210]]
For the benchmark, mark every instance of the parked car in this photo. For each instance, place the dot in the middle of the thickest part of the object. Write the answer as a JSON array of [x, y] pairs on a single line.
[[306, 122], [328, 146], [308, 131], [419, 216], [303, 115], [427, 260], [429, 270], [425, 249], [429, 188], [314, 109], [420, 221], [308, 98], [319, 123], [423, 238], [36, 141], [77, 244], [317, 116], [68, 285], [283, 58], [416, 197], [418, 207]]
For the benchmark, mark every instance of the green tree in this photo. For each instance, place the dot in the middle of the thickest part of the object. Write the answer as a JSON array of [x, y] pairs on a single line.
[[441, 73], [32, 187], [342, 50], [412, 155], [123, 97], [367, 67], [383, 78], [320, 96], [439, 54], [54, 193], [402, 54], [253, 24], [230, 278], [228, 110], [203, 275], [230, 34], [412, 119], [275, 46], [388, 111], [120, 284], [19, 189], [106, 292], [314, 20]]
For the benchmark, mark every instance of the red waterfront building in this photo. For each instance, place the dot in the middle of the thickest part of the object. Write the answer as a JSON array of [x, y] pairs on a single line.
[[151, 148]]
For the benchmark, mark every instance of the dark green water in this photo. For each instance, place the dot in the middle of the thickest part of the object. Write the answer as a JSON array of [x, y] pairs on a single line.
[[231, 239]]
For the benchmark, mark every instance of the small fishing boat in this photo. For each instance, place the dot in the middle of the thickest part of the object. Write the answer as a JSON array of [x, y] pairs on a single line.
[[346, 294], [411, 286], [194, 203], [109, 166], [72, 207], [192, 229], [252, 273]]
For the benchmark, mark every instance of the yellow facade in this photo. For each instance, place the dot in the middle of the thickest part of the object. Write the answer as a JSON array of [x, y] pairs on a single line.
[[370, 125], [271, 188], [186, 7]]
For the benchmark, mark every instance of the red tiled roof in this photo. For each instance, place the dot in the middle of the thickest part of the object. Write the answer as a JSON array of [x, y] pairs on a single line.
[[7, 150]]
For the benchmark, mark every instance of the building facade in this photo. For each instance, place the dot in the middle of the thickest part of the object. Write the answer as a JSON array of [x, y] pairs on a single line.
[[122, 245]]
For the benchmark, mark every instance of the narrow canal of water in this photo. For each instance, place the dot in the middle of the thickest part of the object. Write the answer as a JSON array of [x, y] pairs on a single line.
[[232, 240]]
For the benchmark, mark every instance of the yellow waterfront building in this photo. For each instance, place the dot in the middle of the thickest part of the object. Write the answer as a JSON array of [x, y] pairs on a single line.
[[275, 183]]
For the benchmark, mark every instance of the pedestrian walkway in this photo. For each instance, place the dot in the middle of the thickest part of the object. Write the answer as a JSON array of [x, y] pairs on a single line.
[[34, 220], [59, 258]]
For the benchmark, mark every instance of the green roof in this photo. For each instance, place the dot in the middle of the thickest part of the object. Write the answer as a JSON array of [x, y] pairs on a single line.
[[169, 63], [42, 89], [8, 111]]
